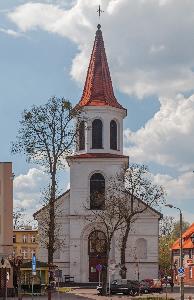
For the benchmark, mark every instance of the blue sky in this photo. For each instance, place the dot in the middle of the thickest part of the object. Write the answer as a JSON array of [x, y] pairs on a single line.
[[45, 49]]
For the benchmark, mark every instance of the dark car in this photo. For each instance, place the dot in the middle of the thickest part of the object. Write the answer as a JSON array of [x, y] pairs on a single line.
[[124, 286], [144, 287]]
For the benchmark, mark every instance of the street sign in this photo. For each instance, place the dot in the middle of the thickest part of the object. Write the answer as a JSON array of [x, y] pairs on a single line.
[[181, 272], [99, 267], [34, 264]]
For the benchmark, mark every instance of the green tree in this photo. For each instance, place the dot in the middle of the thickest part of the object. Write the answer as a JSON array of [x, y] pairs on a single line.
[[169, 233], [46, 136]]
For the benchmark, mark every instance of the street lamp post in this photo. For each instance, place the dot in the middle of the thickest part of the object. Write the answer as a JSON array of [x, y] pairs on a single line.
[[181, 247]]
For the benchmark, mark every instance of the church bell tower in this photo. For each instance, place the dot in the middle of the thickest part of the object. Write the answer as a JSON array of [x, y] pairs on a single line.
[[100, 139], [99, 153]]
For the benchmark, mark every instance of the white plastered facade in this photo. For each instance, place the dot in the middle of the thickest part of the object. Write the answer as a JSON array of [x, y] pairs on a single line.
[[73, 257]]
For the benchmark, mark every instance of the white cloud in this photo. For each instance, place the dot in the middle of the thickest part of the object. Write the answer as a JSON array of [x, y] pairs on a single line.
[[11, 32], [167, 138], [27, 189], [149, 42], [180, 193], [179, 188]]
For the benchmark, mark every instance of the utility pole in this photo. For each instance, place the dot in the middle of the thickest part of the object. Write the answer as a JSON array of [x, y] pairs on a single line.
[[181, 254], [181, 249]]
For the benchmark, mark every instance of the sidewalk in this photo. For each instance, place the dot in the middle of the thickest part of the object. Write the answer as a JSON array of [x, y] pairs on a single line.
[[92, 294], [77, 293]]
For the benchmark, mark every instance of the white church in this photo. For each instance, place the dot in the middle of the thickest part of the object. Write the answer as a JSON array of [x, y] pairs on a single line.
[[98, 157]]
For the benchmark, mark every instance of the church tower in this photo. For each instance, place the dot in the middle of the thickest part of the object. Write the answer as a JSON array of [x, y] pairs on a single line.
[[99, 156]]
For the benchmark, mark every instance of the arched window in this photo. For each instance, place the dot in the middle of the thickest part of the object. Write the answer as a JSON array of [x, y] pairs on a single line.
[[82, 135], [97, 191], [141, 246], [97, 243], [97, 134], [113, 135]]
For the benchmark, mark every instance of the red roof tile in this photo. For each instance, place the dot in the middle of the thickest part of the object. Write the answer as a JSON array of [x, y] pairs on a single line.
[[186, 239], [98, 90], [97, 155]]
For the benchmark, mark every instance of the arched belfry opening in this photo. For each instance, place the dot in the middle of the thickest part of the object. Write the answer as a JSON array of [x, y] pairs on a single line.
[[97, 191], [113, 135], [97, 128], [82, 135], [97, 253]]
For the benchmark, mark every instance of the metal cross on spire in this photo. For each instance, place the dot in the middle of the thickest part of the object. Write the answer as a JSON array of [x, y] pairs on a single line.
[[99, 11]]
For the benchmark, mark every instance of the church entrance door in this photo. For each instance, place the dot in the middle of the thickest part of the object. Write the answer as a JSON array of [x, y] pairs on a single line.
[[97, 253]]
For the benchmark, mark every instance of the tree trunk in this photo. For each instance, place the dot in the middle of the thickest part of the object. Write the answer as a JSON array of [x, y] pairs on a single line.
[[123, 248], [105, 274], [51, 230]]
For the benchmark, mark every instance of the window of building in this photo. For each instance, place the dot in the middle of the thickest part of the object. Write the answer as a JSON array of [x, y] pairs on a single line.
[[97, 134], [33, 252], [113, 135], [24, 238], [24, 253], [82, 135], [190, 273], [14, 238], [97, 191], [190, 253], [33, 239], [141, 248], [97, 243]]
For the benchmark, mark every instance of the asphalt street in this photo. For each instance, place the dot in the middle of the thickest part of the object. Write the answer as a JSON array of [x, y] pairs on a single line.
[[56, 296]]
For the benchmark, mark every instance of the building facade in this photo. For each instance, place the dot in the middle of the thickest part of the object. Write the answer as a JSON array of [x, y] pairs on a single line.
[[99, 156], [25, 243], [188, 253], [6, 209]]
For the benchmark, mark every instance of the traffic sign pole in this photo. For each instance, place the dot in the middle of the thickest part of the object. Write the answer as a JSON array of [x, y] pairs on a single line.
[[181, 255], [99, 269], [33, 273]]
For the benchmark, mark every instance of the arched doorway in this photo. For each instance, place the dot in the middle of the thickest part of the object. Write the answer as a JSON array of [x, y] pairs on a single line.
[[97, 253]]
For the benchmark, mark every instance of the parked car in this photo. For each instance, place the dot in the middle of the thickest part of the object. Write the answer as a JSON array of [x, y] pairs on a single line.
[[144, 287], [124, 286], [153, 285]]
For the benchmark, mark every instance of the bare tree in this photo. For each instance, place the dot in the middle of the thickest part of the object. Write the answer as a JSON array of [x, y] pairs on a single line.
[[46, 136], [43, 218], [109, 217], [135, 187], [21, 220]]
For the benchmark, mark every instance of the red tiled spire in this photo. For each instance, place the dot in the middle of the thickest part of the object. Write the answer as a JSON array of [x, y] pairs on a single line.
[[98, 90]]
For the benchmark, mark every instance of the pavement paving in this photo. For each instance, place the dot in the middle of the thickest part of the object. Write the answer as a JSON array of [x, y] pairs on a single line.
[[91, 294], [86, 294]]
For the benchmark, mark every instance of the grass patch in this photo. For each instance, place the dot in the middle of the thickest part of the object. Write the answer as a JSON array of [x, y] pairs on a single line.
[[64, 289]]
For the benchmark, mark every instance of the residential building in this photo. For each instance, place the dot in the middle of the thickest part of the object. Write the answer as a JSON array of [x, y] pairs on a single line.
[[25, 243], [6, 209], [98, 157], [188, 254]]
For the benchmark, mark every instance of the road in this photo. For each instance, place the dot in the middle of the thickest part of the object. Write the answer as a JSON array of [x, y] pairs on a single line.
[[55, 296], [87, 294], [176, 290]]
